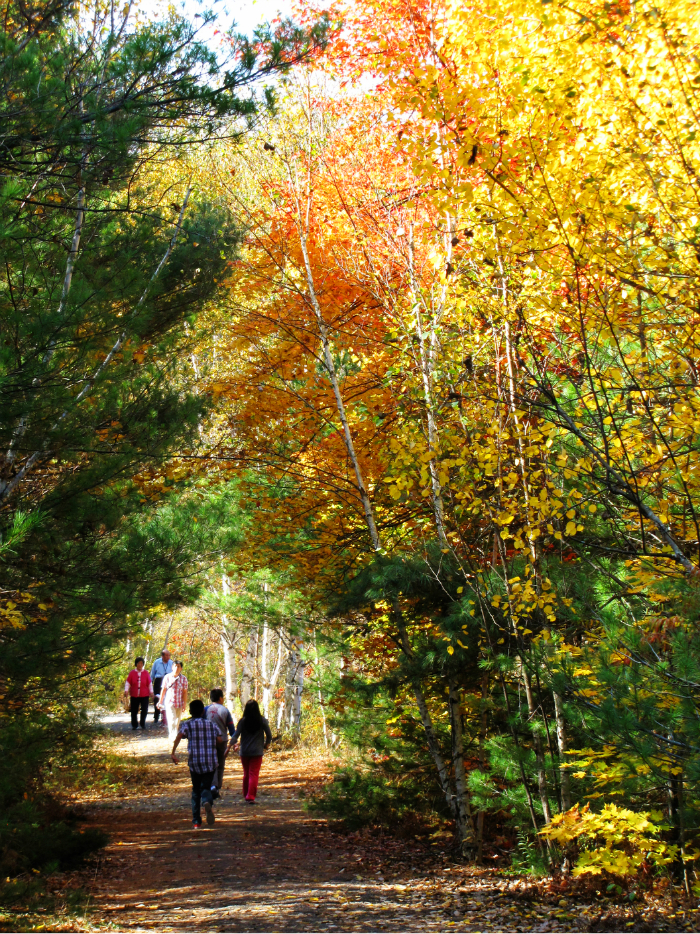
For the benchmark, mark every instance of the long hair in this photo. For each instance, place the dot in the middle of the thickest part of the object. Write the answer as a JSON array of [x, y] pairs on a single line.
[[252, 718]]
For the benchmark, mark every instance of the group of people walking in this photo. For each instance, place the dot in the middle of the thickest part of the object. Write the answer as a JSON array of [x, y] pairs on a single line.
[[165, 686], [205, 731]]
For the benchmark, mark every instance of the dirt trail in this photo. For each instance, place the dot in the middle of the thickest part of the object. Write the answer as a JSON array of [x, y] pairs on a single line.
[[274, 867], [270, 867]]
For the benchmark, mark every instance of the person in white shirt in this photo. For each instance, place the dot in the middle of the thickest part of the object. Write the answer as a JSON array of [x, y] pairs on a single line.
[[161, 667], [220, 715], [173, 698]]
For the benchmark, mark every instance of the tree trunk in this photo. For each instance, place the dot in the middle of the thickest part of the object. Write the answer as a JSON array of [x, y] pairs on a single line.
[[463, 814], [249, 666], [229, 648], [167, 635], [228, 644], [264, 653], [426, 719], [289, 684], [483, 725], [297, 691], [149, 627], [537, 742], [320, 693], [561, 740], [426, 350], [271, 683]]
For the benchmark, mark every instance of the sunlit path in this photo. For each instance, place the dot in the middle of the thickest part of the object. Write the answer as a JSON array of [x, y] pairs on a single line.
[[275, 867]]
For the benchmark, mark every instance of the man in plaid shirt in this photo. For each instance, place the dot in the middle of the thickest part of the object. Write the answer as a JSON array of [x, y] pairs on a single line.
[[203, 738]]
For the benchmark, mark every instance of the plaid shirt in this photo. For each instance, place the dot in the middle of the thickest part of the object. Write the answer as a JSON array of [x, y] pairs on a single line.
[[176, 686], [201, 744]]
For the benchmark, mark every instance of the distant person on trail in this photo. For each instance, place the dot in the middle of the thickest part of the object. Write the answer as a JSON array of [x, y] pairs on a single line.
[[203, 739], [221, 716], [173, 698], [161, 667], [255, 737], [138, 689]]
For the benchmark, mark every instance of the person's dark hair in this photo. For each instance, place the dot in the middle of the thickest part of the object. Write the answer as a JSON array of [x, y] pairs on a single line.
[[216, 695], [178, 663], [252, 718], [197, 709], [140, 659]]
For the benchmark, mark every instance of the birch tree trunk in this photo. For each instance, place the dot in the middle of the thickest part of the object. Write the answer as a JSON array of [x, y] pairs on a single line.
[[463, 814], [269, 688], [320, 692], [303, 212], [263, 665], [427, 347], [297, 689], [228, 646], [289, 685], [483, 725], [167, 635], [249, 665], [537, 742], [229, 639], [148, 627], [561, 740]]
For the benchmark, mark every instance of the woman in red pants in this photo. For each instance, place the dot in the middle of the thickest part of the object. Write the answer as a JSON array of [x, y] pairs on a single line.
[[255, 736]]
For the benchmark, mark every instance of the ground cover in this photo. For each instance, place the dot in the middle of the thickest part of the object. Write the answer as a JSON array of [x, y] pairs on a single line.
[[279, 867]]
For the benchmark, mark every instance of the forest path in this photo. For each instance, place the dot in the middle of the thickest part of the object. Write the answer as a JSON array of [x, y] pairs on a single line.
[[275, 867]]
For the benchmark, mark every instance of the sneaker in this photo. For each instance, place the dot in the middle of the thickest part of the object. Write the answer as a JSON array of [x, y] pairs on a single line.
[[196, 825], [250, 800], [210, 814]]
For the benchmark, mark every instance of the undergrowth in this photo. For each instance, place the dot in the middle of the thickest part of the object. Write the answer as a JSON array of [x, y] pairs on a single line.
[[43, 838], [366, 795]]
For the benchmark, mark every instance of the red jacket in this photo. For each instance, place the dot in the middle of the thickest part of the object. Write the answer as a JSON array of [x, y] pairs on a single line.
[[139, 683]]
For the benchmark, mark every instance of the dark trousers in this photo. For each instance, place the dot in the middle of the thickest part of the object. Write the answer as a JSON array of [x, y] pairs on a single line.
[[156, 691], [201, 792], [136, 703], [219, 774]]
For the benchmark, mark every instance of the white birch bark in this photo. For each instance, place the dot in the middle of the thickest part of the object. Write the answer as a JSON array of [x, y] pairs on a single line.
[[427, 353], [303, 229], [229, 640], [289, 686], [539, 748], [167, 635], [269, 687], [229, 649], [249, 666], [561, 740], [297, 691], [149, 626], [264, 652], [321, 703], [463, 815]]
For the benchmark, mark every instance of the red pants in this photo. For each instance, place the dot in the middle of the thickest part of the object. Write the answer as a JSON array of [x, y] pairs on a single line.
[[251, 771]]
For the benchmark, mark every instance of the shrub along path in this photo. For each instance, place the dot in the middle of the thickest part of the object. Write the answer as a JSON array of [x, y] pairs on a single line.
[[275, 867]]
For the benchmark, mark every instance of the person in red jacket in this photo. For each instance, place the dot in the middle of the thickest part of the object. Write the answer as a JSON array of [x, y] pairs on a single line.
[[139, 688]]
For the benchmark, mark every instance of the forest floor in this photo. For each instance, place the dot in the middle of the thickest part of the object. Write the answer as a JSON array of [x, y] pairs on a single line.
[[277, 867]]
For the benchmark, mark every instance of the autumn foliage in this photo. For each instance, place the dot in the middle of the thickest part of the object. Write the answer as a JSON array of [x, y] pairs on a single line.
[[457, 361]]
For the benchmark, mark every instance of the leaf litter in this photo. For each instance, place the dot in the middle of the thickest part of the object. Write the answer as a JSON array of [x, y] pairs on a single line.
[[279, 868]]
